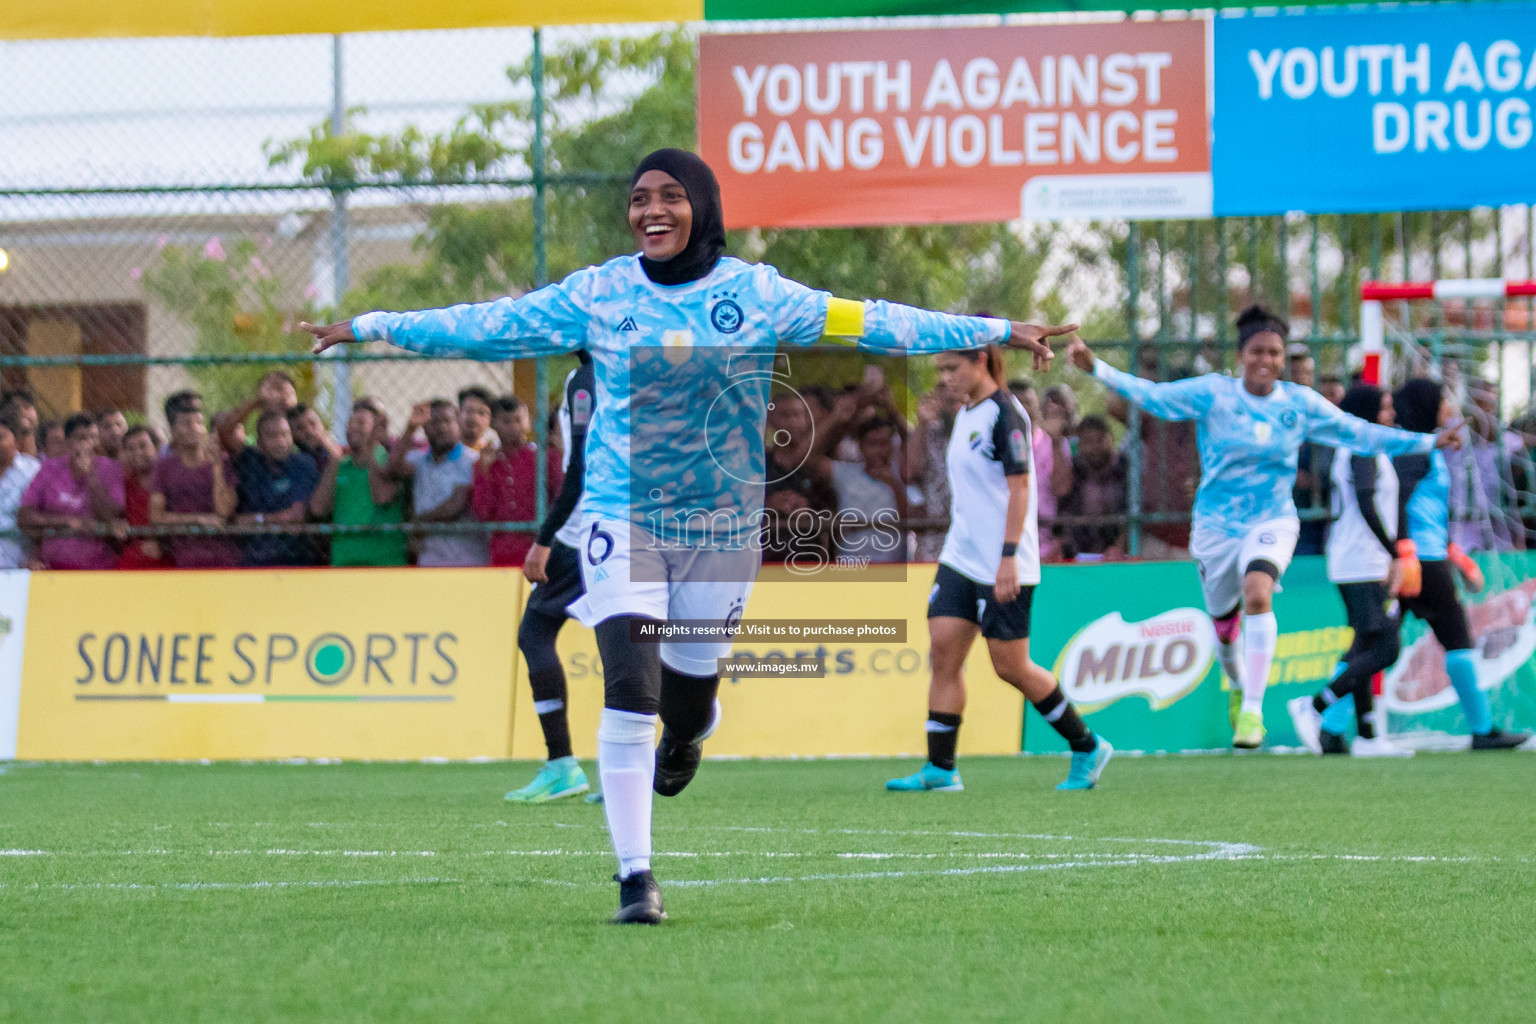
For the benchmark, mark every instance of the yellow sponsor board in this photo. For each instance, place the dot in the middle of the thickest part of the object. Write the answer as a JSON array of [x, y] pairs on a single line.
[[69, 19], [873, 700], [352, 663]]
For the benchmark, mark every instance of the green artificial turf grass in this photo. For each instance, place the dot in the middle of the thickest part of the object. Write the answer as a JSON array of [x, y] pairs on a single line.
[[1323, 905]]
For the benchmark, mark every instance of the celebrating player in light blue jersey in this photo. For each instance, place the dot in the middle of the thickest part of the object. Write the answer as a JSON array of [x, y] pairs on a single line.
[[1249, 431], [676, 439]]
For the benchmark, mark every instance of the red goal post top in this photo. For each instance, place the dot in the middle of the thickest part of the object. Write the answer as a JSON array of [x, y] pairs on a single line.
[[1465, 288]]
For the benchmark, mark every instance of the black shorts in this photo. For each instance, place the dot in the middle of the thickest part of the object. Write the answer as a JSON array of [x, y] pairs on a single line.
[[562, 586], [957, 596], [1439, 607]]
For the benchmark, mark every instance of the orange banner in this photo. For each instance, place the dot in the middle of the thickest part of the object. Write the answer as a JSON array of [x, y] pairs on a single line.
[[923, 126]]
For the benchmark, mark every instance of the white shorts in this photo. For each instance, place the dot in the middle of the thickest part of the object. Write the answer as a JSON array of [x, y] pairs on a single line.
[[1223, 559], [626, 572]]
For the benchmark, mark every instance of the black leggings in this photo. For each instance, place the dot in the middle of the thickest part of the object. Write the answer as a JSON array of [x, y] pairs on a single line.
[[1439, 608], [1375, 649], [635, 680], [536, 636]]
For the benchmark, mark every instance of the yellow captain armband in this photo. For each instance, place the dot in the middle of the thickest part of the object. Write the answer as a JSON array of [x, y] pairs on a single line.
[[845, 319]]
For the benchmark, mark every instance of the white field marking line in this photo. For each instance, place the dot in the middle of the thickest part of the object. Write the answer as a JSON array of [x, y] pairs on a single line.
[[321, 884], [1127, 857], [1221, 851]]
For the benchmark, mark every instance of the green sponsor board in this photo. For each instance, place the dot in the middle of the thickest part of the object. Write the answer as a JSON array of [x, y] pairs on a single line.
[[1417, 692], [1134, 649]]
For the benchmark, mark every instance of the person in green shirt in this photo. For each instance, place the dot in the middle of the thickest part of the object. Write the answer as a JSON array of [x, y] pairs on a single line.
[[355, 491]]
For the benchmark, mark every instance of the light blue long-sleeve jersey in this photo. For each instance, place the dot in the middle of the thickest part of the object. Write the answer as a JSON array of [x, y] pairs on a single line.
[[1248, 444], [683, 372]]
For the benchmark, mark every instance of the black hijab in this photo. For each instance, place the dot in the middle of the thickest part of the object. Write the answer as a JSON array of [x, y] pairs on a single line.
[[1418, 405], [706, 240], [1364, 401]]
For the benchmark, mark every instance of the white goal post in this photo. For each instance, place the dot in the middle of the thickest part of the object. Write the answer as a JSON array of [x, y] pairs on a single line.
[[1373, 329]]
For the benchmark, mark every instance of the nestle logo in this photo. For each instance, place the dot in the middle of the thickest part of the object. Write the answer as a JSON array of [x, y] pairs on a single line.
[[1149, 630]]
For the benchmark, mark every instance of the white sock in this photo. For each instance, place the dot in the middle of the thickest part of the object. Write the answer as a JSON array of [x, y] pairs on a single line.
[[626, 761], [1231, 661], [1259, 635]]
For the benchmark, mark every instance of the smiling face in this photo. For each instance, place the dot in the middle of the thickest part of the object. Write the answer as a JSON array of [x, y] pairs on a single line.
[[660, 216], [1263, 361]]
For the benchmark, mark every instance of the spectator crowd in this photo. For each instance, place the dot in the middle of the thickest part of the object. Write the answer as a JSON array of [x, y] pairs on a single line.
[[848, 477], [93, 492]]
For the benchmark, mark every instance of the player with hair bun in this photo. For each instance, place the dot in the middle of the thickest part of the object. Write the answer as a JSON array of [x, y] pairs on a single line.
[[1250, 429], [988, 570]]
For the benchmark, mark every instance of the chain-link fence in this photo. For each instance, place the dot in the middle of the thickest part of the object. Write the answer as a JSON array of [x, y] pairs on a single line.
[[171, 209]]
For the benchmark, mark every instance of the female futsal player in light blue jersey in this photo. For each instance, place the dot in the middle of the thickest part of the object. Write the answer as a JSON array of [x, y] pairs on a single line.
[[676, 432], [1249, 430]]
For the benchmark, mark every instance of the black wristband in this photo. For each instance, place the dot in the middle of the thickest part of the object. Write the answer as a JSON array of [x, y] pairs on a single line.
[[1010, 549]]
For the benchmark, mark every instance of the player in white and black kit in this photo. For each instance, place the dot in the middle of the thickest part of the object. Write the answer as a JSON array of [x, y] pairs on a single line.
[[988, 570], [1362, 561], [554, 568]]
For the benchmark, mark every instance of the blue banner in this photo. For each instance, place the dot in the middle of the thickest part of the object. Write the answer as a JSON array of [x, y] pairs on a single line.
[[1355, 111]]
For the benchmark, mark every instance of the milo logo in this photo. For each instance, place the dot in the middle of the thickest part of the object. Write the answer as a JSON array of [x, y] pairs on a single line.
[[1162, 658]]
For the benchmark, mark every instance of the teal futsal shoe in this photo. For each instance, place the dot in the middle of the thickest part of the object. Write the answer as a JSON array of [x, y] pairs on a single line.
[[1088, 766], [557, 779], [928, 778]]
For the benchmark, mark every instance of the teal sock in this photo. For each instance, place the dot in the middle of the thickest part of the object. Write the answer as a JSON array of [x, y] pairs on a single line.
[[1340, 715], [1474, 703]]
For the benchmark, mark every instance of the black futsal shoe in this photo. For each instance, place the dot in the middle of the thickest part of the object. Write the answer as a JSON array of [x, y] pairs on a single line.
[[676, 764], [639, 900], [1332, 742], [1498, 739]]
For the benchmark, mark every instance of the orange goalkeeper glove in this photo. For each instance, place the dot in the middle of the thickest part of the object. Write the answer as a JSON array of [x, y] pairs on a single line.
[[1471, 575], [1410, 574]]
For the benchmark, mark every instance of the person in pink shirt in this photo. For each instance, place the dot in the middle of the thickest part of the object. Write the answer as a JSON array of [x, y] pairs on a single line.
[[191, 487], [1053, 460], [75, 492]]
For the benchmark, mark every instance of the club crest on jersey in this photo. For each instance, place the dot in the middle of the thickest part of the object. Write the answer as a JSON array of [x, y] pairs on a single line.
[[1262, 431], [677, 346], [1288, 419], [727, 316], [974, 440]]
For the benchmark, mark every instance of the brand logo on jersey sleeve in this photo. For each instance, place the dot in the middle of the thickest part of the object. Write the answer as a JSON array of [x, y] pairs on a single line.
[[1017, 446], [1162, 659], [581, 406], [727, 316]]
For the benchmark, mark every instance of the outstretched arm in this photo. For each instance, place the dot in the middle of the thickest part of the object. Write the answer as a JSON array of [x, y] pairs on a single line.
[[541, 322], [1180, 400], [1331, 426], [803, 316]]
